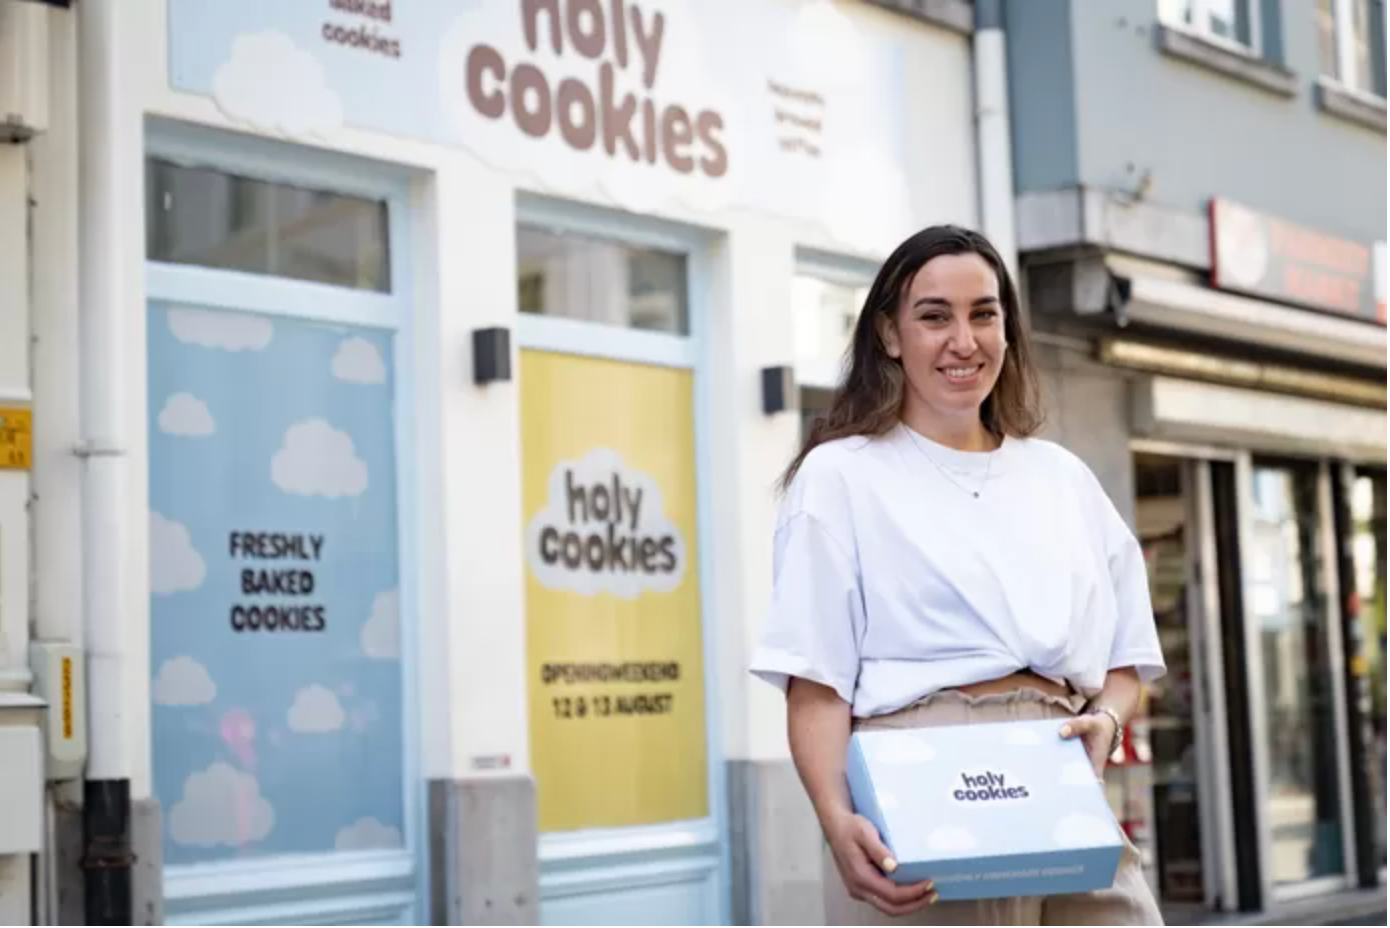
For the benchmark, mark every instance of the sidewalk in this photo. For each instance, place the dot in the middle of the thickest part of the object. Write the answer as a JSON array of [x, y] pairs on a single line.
[[1356, 907]]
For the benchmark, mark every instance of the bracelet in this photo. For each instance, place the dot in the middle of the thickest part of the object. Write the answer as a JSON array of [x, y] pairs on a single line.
[[1119, 737]]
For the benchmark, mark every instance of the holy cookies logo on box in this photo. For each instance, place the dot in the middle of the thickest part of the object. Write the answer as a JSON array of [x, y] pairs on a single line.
[[604, 530], [614, 105], [989, 786]]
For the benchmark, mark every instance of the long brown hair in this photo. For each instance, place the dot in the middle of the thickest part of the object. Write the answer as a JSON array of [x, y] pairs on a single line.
[[869, 398]]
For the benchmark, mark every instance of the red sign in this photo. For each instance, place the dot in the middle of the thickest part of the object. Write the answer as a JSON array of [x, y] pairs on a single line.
[[1268, 257]]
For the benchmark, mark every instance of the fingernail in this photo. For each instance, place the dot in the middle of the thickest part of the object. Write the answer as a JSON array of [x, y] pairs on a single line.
[[1066, 731], [889, 865], [933, 898]]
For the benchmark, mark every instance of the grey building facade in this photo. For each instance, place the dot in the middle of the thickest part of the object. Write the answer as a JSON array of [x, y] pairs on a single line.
[[1200, 193]]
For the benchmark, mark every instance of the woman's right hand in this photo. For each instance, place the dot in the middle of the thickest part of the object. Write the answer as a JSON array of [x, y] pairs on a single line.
[[862, 860]]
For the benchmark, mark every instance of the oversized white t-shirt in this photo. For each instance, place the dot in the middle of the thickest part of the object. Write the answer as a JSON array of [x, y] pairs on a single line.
[[893, 581]]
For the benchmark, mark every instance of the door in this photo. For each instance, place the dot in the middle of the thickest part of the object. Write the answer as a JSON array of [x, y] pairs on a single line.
[[1295, 702], [621, 749], [280, 740]]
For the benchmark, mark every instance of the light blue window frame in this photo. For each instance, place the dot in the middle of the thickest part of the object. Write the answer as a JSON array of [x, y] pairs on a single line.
[[364, 886], [573, 863]]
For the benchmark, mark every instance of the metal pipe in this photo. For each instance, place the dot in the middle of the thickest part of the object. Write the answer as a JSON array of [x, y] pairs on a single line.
[[992, 134], [103, 90]]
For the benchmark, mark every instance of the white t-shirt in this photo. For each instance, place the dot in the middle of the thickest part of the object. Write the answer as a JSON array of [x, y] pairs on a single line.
[[892, 580]]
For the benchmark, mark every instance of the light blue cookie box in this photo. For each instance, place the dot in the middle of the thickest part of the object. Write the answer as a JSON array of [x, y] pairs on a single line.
[[987, 811]]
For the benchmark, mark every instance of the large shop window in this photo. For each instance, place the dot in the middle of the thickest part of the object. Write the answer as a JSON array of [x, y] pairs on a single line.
[[824, 311], [1369, 552], [601, 281], [1288, 599], [209, 218], [275, 628]]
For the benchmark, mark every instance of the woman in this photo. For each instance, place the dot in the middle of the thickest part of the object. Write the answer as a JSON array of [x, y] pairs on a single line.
[[935, 565]]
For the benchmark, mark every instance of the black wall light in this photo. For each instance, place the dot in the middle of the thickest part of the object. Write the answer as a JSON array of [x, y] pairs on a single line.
[[779, 389], [492, 355]]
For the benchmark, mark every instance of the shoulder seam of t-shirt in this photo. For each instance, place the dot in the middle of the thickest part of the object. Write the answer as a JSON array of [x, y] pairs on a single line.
[[824, 529]]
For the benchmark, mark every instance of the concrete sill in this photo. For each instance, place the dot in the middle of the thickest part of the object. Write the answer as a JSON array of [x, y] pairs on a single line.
[[1352, 105], [1243, 66], [956, 15]]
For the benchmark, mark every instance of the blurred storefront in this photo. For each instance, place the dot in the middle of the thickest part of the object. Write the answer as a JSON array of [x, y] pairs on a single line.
[[427, 512], [1211, 324]]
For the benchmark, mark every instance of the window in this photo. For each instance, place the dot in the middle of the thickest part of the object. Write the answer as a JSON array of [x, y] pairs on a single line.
[[1351, 42], [608, 282], [824, 311], [1227, 21], [209, 218]]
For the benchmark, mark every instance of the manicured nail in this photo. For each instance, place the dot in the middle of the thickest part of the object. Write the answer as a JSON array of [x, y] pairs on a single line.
[[889, 865], [1066, 731], [933, 898]]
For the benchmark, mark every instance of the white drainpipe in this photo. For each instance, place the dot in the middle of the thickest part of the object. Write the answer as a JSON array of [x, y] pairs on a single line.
[[992, 140]]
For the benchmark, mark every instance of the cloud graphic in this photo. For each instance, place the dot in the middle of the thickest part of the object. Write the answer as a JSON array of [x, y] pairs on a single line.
[[950, 839], [574, 555], [182, 681], [358, 361], [271, 83], [1022, 737], [228, 331], [367, 834], [1079, 773], [900, 749], [888, 802], [1084, 831], [316, 710], [381, 635], [184, 414], [175, 565], [221, 807], [318, 460]]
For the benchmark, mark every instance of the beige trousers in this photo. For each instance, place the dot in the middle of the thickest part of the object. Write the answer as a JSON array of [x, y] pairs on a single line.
[[1128, 901]]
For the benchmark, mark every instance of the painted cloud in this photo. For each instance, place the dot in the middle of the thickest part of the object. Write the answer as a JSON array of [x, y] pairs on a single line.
[[316, 710], [358, 361], [221, 807], [175, 565], [271, 83], [381, 635], [182, 681], [367, 834], [214, 329], [184, 414], [318, 460]]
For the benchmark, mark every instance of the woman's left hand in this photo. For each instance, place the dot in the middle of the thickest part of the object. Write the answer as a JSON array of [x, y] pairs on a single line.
[[1097, 733]]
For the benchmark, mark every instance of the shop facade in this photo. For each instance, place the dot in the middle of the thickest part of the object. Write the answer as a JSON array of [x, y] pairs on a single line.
[[1211, 322], [426, 482]]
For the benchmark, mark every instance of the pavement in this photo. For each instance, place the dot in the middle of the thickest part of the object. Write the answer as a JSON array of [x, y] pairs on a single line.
[[1356, 907]]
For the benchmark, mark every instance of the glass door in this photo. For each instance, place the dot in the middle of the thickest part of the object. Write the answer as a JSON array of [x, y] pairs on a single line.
[[1295, 701]]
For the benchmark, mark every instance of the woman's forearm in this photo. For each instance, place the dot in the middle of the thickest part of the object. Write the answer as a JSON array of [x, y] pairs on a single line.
[[1120, 693], [818, 728]]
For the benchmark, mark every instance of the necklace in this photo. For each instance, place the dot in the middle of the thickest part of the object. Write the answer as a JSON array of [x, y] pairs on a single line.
[[989, 465]]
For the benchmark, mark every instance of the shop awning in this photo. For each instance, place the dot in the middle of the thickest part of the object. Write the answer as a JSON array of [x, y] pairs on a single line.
[[1172, 409], [1175, 304]]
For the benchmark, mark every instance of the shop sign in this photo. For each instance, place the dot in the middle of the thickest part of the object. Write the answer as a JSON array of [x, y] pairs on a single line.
[[614, 637], [1268, 257], [275, 629], [808, 110]]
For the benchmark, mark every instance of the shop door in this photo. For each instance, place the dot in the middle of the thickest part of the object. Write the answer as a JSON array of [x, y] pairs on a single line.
[[280, 748], [631, 833], [1297, 704], [1187, 759]]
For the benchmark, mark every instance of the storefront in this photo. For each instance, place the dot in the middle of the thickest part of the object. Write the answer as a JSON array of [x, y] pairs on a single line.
[[1249, 434], [440, 363]]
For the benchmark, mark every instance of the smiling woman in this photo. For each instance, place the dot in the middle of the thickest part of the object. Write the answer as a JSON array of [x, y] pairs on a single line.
[[936, 565]]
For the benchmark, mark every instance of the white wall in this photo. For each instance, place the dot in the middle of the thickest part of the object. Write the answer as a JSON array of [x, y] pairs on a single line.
[[472, 658]]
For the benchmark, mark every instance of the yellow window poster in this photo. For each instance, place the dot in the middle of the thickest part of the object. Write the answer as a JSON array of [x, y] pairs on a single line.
[[614, 645]]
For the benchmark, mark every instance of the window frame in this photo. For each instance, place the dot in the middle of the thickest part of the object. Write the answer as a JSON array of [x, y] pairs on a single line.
[[1201, 8], [1343, 27]]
